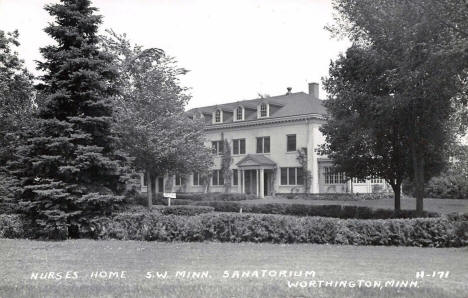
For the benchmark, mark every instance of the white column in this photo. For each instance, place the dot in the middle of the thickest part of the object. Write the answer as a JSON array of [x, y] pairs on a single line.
[[257, 182], [243, 182], [261, 184], [312, 162], [239, 181]]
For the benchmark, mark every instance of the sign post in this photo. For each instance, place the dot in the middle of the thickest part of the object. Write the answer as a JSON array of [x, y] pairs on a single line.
[[169, 196]]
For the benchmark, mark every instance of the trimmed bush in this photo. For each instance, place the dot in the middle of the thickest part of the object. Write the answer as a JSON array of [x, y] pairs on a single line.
[[12, 226], [338, 211], [215, 196], [338, 196], [183, 210], [427, 232]]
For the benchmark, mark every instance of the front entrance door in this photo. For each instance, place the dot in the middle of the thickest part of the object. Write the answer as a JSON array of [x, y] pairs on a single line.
[[250, 182], [267, 182]]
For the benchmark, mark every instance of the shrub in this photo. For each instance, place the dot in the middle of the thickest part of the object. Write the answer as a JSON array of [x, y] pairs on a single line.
[[12, 226], [339, 196], [183, 210], [215, 196], [431, 232], [449, 186], [337, 211]]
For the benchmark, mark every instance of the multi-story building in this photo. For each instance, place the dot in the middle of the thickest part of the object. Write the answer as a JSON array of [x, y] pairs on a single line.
[[265, 135]]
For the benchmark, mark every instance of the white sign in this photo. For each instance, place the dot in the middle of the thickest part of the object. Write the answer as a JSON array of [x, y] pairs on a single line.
[[171, 195]]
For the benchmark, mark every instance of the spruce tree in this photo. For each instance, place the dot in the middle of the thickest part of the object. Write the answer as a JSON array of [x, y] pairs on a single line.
[[70, 169]]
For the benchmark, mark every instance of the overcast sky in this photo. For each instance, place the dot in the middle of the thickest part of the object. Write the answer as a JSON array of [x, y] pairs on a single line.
[[233, 49]]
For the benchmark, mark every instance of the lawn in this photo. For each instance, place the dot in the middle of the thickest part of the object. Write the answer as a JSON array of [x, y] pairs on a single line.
[[434, 205], [21, 258]]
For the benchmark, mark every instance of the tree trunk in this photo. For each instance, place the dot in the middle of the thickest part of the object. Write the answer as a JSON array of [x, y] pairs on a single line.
[[149, 189], [418, 168], [397, 195]]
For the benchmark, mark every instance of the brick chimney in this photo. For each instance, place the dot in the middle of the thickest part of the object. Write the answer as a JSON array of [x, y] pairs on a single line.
[[314, 90]]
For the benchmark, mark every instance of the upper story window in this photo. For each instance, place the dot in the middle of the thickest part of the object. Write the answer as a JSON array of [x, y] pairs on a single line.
[[263, 145], [263, 110], [291, 143], [218, 116], [238, 146], [218, 147], [239, 114]]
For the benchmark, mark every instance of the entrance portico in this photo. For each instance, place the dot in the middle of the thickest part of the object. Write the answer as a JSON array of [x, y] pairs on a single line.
[[256, 175]]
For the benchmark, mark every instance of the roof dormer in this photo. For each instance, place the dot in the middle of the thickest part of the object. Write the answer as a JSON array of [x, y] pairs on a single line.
[[239, 113], [217, 116], [263, 110]]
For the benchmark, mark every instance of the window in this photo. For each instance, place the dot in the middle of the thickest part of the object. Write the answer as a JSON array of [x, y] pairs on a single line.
[[263, 145], [376, 180], [356, 180], [235, 178], [239, 114], [238, 146], [145, 183], [196, 178], [179, 180], [217, 147], [263, 110], [218, 117], [332, 177], [218, 178], [291, 143], [292, 176]]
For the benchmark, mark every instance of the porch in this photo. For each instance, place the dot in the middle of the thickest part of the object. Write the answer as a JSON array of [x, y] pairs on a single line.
[[256, 175]]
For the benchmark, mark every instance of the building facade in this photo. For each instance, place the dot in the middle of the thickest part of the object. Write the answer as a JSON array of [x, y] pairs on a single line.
[[265, 137]]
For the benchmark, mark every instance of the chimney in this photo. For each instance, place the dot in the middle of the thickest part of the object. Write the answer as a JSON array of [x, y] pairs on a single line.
[[314, 90], [289, 90]]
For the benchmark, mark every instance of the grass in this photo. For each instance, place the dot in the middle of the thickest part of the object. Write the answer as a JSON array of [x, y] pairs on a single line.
[[19, 258], [434, 205]]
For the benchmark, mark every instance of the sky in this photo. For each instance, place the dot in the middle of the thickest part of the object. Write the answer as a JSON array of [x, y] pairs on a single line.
[[233, 49]]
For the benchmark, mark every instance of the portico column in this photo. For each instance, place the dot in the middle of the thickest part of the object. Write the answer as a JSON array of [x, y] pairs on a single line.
[[239, 180], [257, 183], [261, 180]]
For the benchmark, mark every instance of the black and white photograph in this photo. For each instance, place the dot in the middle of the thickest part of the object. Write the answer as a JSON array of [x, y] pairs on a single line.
[[249, 148]]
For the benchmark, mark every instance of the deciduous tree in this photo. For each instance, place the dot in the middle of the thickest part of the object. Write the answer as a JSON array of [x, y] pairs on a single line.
[[151, 122], [429, 56]]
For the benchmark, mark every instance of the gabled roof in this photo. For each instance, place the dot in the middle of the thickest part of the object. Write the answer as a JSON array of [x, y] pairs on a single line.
[[255, 160], [293, 104]]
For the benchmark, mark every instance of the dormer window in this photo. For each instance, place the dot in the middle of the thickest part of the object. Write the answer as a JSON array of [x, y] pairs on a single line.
[[239, 113], [218, 116], [263, 110]]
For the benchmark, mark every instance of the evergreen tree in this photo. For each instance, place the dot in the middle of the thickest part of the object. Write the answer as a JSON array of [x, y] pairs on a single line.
[[16, 107], [69, 167]]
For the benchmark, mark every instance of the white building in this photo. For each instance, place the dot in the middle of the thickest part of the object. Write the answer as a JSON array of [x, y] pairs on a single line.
[[265, 135]]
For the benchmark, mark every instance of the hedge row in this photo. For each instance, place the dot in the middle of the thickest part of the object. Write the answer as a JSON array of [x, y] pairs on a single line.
[[432, 232], [183, 210], [215, 196], [227, 227], [338, 196], [338, 211]]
